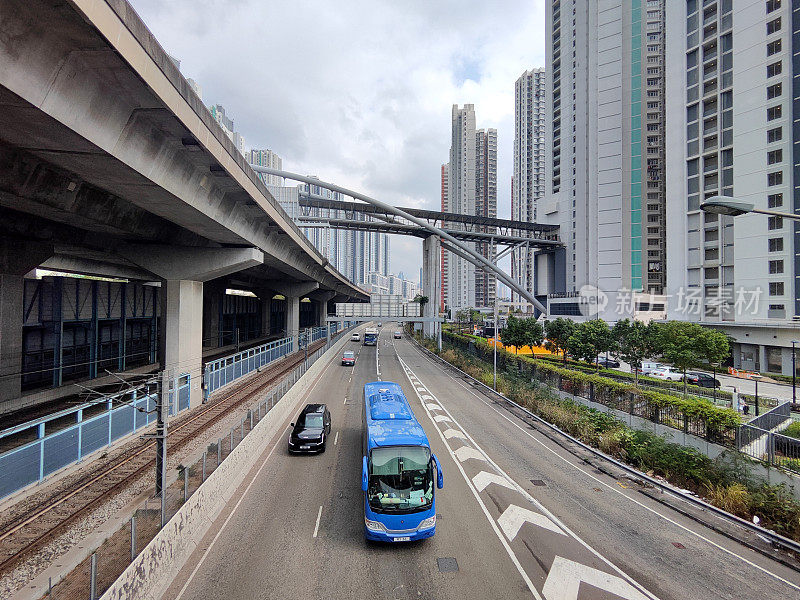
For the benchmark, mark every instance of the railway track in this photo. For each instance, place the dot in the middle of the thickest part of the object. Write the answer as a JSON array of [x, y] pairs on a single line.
[[43, 521]]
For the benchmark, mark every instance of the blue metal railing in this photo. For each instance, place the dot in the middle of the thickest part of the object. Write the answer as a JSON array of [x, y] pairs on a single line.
[[56, 447], [219, 373]]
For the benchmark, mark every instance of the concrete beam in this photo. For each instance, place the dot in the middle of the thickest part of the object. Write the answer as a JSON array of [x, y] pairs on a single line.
[[295, 290], [191, 264]]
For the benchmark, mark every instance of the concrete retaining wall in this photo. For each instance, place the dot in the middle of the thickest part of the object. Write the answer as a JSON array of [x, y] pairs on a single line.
[[149, 576]]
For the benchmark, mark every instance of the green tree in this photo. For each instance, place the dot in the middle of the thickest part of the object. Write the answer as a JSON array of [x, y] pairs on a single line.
[[634, 341], [557, 334], [589, 339], [514, 333], [678, 342], [533, 333]]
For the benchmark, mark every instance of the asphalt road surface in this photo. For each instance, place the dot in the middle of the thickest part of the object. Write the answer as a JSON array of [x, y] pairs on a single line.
[[519, 517]]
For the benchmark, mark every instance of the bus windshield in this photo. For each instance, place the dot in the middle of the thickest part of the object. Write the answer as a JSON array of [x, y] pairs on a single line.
[[400, 479]]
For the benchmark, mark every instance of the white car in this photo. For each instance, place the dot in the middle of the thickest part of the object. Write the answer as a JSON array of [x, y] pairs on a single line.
[[667, 374], [356, 337]]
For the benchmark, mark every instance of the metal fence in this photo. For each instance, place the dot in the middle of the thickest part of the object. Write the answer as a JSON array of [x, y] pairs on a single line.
[[758, 440], [219, 373], [43, 446], [97, 572]]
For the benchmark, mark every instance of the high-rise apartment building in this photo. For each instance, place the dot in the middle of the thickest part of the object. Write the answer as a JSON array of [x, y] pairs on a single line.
[[266, 158], [445, 254], [733, 131], [355, 254], [597, 122], [471, 189], [528, 181], [485, 206], [218, 112]]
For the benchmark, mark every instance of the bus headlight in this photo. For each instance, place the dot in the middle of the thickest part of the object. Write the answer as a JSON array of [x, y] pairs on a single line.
[[374, 525], [427, 523]]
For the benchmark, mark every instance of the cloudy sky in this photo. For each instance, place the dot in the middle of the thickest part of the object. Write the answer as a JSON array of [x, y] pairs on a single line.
[[359, 92]]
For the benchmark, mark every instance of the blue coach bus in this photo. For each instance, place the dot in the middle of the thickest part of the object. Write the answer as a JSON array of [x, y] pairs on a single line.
[[398, 469], [371, 337]]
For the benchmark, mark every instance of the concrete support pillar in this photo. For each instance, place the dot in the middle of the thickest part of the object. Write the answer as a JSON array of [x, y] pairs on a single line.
[[181, 332], [322, 312], [294, 293], [16, 259], [265, 295], [212, 297], [431, 281]]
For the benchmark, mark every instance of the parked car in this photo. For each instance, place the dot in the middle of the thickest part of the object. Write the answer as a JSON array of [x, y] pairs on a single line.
[[666, 373], [311, 429], [608, 363], [356, 337], [702, 379], [397, 335], [648, 367], [349, 358]]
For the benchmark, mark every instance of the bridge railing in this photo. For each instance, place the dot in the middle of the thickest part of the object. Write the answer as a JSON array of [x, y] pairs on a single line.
[[36, 449], [222, 371]]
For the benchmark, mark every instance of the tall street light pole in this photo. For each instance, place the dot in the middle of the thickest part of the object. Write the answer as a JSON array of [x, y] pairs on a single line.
[[756, 378], [794, 374], [726, 205]]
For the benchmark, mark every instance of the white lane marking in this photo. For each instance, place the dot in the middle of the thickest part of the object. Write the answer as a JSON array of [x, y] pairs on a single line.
[[241, 499], [336, 438], [484, 478], [432, 406], [514, 517], [316, 527], [616, 490], [426, 397], [377, 362], [540, 506], [454, 433], [485, 510], [565, 578], [345, 400], [466, 452], [442, 418]]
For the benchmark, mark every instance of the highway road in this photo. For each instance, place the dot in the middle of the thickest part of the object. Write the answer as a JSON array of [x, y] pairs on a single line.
[[519, 517]]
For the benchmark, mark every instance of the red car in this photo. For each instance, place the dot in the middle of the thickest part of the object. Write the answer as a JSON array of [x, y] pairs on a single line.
[[349, 358]]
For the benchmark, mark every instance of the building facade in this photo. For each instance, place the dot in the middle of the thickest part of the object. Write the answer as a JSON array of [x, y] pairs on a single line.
[[445, 254], [485, 206], [266, 158], [596, 184], [528, 180], [736, 71]]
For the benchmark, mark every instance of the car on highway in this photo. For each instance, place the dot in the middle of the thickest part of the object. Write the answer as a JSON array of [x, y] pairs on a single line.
[[608, 363], [397, 335], [380, 324], [648, 367], [356, 337], [349, 358], [666, 374], [702, 379], [311, 429]]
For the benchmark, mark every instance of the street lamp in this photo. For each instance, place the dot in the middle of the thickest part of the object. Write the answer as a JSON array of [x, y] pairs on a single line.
[[794, 374], [726, 205], [714, 366], [755, 378]]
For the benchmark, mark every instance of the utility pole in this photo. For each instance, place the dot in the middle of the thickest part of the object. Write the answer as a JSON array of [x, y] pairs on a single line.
[[162, 413]]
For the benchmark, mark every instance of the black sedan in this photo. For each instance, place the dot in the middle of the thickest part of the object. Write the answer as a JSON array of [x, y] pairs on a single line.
[[702, 379], [608, 363], [311, 430]]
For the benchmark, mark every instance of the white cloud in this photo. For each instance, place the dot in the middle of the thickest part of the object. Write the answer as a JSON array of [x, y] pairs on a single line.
[[359, 93]]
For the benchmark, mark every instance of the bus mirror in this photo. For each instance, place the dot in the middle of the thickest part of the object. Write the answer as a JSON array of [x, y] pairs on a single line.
[[439, 475], [364, 476]]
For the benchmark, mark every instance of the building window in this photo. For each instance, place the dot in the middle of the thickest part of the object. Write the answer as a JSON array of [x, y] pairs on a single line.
[[775, 267], [776, 288], [773, 5], [774, 47], [774, 69], [774, 135], [774, 91], [774, 156], [773, 26], [774, 223], [774, 112], [774, 200], [775, 178], [775, 244]]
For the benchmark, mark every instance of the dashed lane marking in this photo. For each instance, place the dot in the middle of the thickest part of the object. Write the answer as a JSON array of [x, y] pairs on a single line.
[[336, 438], [316, 527]]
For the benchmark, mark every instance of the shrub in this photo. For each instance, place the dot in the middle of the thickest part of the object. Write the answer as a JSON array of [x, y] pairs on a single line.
[[792, 430]]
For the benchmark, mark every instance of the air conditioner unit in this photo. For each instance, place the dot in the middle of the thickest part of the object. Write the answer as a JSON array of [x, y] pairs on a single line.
[[796, 318]]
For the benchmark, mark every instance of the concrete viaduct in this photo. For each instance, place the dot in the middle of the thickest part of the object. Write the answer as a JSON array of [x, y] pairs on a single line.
[[111, 166]]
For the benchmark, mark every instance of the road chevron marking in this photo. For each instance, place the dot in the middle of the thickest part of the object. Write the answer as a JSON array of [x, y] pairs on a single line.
[[515, 516], [565, 578], [442, 418], [454, 433], [464, 453], [432, 406], [484, 478]]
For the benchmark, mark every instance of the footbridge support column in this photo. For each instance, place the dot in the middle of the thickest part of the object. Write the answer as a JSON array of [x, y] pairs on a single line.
[[431, 283], [293, 294], [16, 259], [183, 271]]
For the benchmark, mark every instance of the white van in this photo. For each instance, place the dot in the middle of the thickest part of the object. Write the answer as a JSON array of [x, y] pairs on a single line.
[[647, 368]]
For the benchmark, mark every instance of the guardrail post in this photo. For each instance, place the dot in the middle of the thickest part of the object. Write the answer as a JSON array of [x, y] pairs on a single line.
[[219, 451], [685, 423], [133, 537], [204, 466], [93, 578], [40, 437], [771, 448], [250, 414], [185, 483]]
